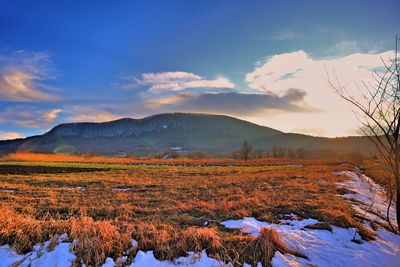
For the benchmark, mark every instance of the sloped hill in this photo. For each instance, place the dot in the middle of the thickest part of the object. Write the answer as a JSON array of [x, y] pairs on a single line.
[[214, 134]]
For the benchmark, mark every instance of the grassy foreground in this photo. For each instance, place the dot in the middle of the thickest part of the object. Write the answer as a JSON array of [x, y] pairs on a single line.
[[167, 209]]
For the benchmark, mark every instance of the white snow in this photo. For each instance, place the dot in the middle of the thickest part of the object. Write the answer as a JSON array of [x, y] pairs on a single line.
[[325, 248], [321, 247], [60, 256], [8, 190], [367, 192], [134, 243], [8, 256], [122, 189], [176, 148], [108, 263], [193, 260]]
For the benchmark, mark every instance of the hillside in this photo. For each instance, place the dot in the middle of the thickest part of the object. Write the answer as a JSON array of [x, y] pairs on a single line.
[[214, 134]]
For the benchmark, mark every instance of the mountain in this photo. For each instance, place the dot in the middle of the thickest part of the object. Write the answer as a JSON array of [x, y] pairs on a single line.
[[214, 134]]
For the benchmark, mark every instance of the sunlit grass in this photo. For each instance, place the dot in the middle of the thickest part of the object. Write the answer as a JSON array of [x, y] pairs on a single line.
[[165, 207]]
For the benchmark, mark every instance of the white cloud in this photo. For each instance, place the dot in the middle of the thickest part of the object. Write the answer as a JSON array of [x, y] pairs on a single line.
[[299, 70], [22, 75], [30, 117], [178, 81], [86, 114], [51, 115], [10, 135]]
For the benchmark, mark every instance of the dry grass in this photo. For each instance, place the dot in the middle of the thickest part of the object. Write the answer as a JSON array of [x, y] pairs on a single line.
[[41, 157], [166, 207], [380, 173], [89, 234]]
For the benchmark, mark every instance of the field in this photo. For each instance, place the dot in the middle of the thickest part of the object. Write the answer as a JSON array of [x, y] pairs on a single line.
[[170, 209]]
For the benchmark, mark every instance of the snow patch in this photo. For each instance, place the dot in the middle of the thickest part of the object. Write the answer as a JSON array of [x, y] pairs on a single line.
[[8, 190], [322, 247], [134, 243], [336, 248], [366, 191], [108, 263], [120, 189], [193, 259], [60, 256]]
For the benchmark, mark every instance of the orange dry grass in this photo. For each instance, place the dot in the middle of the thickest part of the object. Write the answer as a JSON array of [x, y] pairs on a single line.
[[41, 157], [22, 232], [166, 207], [378, 171], [96, 240]]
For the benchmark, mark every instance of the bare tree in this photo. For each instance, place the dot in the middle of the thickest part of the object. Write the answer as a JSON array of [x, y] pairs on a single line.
[[245, 150], [378, 106]]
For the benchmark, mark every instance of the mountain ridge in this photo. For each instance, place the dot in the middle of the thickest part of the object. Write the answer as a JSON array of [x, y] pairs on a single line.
[[130, 126], [213, 134]]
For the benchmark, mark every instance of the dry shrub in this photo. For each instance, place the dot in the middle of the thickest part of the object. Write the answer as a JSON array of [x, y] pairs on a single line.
[[197, 239], [23, 232], [240, 249], [365, 233], [150, 235], [169, 243], [319, 226], [335, 217], [345, 220], [96, 240], [270, 241]]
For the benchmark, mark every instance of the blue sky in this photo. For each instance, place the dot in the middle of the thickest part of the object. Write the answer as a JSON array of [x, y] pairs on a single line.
[[63, 61]]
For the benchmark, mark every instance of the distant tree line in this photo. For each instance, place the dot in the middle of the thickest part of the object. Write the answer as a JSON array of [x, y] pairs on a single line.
[[246, 151]]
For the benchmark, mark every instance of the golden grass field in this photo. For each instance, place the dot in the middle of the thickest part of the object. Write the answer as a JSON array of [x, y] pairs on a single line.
[[167, 209]]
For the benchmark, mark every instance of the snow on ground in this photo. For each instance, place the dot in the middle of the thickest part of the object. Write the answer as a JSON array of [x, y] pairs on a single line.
[[366, 191], [336, 248], [193, 259], [118, 189], [147, 259], [322, 247], [8, 190], [60, 256]]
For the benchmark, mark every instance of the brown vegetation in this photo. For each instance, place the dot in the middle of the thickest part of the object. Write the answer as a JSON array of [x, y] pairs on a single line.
[[168, 209], [201, 160]]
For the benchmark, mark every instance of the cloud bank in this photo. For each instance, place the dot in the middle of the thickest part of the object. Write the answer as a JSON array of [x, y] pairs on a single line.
[[299, 70], [9, 135], [286, 91], [233, 103], [178, 81]]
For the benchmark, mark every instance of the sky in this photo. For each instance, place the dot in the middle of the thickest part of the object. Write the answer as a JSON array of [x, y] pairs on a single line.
[[263, 61]]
